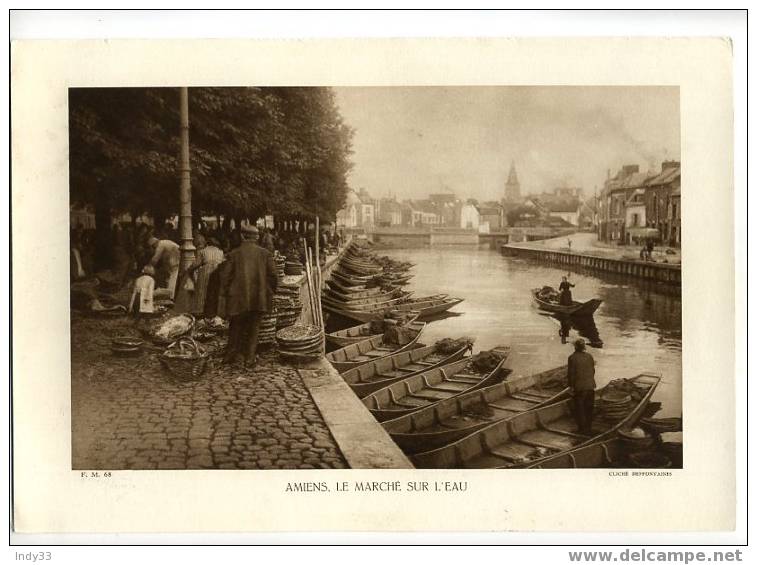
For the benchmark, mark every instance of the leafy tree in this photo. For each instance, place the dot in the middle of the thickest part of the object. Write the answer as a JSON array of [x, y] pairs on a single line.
[[252, 151]]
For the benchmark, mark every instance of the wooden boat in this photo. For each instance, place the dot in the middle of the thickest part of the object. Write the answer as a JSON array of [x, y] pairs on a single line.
[[429, 387], [450, 420], [361, 332], [429, 298], [347, 299], [592, 456], [365, 306], [533, 437], [431, 307], [360, 269], [358, 291], [356, 315], [382, 372], [396, 279], [575, 309], [351, 280], [370, 349]]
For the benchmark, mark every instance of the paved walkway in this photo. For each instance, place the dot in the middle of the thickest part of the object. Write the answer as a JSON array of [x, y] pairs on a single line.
[[588, 244], [128, 414]]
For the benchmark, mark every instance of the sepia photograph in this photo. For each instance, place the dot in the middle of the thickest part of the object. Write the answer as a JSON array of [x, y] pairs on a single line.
[[472, 277], [329, 290]]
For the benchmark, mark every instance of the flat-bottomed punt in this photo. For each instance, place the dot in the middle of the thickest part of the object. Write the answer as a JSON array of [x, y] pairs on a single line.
[[429, 308], [382, 372], [362, 352], [453, 419], [593, 456], [574, 309], [360, 332], [534, 437], [432, 386]]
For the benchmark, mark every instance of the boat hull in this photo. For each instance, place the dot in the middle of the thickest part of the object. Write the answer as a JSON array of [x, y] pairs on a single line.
[[545, 432], [421, 382], [450, 420], [368, 350], [576, 309]]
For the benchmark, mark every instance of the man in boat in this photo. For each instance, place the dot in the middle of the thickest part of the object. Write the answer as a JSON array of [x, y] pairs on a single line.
[[566, 298], [582, 385], [250, 283]]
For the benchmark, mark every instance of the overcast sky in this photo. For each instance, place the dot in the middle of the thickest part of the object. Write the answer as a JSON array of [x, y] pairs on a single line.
[[411, 141]]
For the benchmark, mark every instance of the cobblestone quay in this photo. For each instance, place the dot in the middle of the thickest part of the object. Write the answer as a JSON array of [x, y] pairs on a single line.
[[128, 413]]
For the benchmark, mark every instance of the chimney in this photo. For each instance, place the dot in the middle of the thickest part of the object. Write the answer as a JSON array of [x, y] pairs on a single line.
[[670, 164]]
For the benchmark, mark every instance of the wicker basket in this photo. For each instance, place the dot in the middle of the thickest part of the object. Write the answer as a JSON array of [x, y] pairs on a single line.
[[185, 358]]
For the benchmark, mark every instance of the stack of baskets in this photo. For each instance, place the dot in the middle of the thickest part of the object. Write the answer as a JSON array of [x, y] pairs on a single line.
[[288, 306], [280, 261], [293, 268], [185, 358], [661, 425], [615, 406], [300, 342], [267, 335]]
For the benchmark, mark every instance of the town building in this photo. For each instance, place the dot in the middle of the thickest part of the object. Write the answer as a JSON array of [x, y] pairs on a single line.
[[635, 206], [389, 213], [470, 218], [492, 215], [359, 211]]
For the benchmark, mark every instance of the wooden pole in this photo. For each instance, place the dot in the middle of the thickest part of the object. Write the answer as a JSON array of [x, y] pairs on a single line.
[[185, 188], [310, 282]]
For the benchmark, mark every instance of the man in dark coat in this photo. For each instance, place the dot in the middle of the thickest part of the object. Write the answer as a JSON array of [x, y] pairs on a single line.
[[249, 286], [581, 383]]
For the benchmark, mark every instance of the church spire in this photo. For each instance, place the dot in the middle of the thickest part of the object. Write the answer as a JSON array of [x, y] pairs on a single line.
[[512, 186]]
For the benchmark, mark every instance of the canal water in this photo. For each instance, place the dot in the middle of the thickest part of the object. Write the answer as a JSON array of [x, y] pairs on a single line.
[[636, 329]]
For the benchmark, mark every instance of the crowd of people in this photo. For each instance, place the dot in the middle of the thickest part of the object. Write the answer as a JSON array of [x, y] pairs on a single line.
[[233, 275], [138, 251]]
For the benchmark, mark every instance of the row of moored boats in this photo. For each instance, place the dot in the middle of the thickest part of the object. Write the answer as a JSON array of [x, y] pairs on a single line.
[[443, 405]]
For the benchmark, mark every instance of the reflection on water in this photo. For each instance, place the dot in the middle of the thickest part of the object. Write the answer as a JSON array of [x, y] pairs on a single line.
[[636, 329], [584, 325]]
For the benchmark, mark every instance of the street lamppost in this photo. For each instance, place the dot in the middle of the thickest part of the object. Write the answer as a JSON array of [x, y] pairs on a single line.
[[185, 189]]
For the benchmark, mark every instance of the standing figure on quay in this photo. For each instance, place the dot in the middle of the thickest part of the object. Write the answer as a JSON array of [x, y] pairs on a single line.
[[251, 282]]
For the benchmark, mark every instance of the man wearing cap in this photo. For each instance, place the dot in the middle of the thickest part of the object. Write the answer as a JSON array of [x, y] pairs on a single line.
[[166, 258], [250, 283], [582, 385]]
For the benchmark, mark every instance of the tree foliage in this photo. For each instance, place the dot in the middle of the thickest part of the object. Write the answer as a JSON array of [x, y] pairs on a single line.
[[252, 150]]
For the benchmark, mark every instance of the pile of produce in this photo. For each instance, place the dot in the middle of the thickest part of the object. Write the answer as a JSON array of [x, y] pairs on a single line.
[[395, 334], [447, 346], [636, 439], [172, 328], [487, 361], [549, 294]]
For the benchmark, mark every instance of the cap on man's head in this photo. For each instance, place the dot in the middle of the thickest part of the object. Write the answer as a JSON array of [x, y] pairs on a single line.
[[579, 344], [249, 229]]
